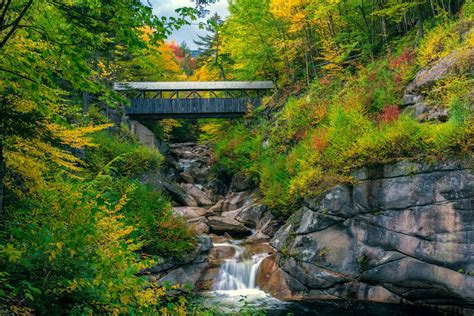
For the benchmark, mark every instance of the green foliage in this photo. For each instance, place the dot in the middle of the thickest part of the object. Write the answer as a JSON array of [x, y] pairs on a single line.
[[149, 211], [239, 148], [349, 120], [121, 156], [74, 252]]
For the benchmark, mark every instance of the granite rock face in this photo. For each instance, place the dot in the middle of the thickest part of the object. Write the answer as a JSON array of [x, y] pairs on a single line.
[[403, 232], [416, 91]]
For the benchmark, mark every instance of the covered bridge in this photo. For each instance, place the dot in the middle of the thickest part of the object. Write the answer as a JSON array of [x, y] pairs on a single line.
[[196, 99]]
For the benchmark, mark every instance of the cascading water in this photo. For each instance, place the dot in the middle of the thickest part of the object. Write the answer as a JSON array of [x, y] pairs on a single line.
[[240, 272]]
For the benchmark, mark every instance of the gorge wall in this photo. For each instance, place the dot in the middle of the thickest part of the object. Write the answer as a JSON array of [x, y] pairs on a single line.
[[403, 232]]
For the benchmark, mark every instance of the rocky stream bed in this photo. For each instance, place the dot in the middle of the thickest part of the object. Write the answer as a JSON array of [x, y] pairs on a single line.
[[402, 235]]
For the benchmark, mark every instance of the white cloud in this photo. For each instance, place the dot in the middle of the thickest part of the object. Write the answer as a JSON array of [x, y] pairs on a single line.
[[186, 33]]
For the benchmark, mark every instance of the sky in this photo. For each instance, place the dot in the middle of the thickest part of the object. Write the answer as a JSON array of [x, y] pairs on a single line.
[[187, 33]]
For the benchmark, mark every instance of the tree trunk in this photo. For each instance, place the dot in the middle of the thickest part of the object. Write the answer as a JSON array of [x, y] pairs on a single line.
[[2, 159], [420, 22], [2, 176]]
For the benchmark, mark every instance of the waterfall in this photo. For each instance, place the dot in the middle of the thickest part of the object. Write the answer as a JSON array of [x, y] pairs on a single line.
[[239, 272]]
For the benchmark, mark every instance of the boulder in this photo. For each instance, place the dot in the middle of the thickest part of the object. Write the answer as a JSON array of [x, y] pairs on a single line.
[[220, 239], [221, 252], [218, 187], [227, 224], [199, 174], [415, 91], [199, 196], [236, 200], [216, 209], [439, 70], [205, 243], [179, 195], [257, 238], [189, 212], [186, 177], [425, 113], [251, 215], [207, 278], [176, 276], [198, 225]]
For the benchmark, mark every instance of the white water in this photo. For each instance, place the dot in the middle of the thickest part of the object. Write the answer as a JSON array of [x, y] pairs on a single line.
[[240, 272]]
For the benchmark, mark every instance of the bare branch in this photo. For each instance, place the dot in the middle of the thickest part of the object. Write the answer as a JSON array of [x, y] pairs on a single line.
[[15, 24], [18, 75]]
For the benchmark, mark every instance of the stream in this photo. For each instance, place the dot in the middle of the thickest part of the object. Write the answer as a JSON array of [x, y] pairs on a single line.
[[235, 290]]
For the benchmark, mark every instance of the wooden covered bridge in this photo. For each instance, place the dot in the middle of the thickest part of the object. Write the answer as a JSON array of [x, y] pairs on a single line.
[[198, 99]]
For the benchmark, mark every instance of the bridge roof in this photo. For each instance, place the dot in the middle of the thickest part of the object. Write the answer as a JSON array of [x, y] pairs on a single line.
[[193, 85]]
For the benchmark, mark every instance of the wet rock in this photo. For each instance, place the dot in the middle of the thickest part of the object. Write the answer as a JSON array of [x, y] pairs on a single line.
[[219, 253], [259, 248], [311, 275], [227, 224], [194, 271], [272, 279], [219, 239], [200, 174], [207, 278], [218, 187], [199, 196]]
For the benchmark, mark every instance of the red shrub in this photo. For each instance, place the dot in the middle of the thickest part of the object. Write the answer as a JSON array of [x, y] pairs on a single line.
[[320, 141], [389, 113]]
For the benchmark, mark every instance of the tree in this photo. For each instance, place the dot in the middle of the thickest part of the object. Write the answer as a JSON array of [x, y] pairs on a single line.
[[251, 39], [210, 47], [51, 52]]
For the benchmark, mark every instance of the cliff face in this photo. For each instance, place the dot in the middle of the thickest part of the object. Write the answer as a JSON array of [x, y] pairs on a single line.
[[403, 232]]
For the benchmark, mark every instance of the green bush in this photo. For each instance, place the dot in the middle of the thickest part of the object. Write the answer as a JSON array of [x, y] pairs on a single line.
[[121, 156], [149, 211]]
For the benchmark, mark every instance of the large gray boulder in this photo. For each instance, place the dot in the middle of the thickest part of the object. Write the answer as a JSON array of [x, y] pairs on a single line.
[[220, 224], [189, 212], [198, 195], [414, 96], [403, 232]]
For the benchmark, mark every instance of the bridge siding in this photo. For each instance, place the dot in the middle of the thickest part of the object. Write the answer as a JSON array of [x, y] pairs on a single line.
[[193, 107]]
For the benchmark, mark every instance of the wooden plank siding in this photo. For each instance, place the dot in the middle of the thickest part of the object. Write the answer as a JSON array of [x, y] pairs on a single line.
[[190, 107]]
